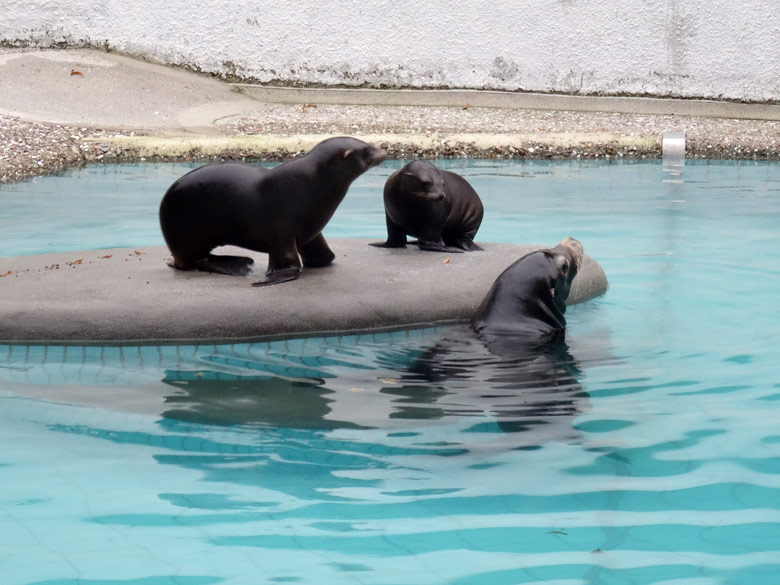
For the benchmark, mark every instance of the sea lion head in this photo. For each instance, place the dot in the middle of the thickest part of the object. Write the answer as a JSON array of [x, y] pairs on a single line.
[[529, 297], [350, 154], [424, 180], [362, 154]]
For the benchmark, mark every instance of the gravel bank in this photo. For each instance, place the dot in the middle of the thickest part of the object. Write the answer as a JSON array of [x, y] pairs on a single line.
[[28, 148]]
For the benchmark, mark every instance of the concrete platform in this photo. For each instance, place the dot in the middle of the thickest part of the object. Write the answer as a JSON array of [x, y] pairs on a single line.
[[85, 87], [131, 296]]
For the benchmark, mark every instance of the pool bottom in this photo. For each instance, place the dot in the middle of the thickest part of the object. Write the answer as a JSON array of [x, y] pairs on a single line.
[[277, 462]]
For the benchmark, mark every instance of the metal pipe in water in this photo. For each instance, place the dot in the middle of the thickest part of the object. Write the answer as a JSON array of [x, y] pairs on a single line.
[[673, 150]]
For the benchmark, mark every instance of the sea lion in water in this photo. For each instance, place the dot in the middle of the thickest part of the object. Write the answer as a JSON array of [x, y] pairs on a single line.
[[528, 299], [281, 211], [439, 208], [512, 360]]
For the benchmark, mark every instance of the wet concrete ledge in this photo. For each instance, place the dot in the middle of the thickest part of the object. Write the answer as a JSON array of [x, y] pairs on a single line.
[[130, 296]]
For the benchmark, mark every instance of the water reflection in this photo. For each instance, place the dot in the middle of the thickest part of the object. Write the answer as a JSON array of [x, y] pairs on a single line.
[[505, 383], [209, 399], [523, 386]]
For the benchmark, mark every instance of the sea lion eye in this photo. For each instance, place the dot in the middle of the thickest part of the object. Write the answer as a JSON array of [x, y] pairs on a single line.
[[564, 267]]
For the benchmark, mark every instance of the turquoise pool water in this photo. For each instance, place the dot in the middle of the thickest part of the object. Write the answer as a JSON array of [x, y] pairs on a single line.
[[651, 456]]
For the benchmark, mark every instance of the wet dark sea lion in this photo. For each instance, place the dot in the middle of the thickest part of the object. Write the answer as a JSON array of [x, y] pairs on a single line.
[[437, 207], [281, 211], [528, 299], [512, 361]]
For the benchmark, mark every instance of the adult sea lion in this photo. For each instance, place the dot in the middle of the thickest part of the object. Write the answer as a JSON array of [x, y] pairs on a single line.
[[281, 211], [437, 207], [528, 299], [511, 363]]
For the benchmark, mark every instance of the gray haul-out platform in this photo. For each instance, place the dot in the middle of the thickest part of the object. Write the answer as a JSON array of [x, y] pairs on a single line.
[[130, 295]]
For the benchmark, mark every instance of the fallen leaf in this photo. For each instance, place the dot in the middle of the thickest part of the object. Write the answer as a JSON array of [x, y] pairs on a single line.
[[137, 253], [446, 260], [75, 72], [389, 381], [6, 274], [466, 107], [79, 261], [307, 106], [106, 256]]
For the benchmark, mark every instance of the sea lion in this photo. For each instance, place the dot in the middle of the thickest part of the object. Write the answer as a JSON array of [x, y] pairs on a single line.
[[281, 211], [439, 208], [528, 299], [512, 362]]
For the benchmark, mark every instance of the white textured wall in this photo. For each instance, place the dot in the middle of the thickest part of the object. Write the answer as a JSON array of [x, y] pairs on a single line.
[[692, 48]]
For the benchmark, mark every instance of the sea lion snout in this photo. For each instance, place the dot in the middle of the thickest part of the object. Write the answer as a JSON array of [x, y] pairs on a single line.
[[376, 156], [429, 195], [574, 248]]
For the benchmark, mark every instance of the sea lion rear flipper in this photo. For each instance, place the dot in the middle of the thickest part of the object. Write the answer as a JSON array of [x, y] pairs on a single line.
[[230, 265]]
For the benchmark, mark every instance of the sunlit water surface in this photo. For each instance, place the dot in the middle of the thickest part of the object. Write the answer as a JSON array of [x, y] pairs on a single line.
[[650, 455]]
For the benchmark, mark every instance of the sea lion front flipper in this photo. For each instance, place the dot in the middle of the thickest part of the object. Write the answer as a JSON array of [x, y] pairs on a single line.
[[437, 247], [284, 264], [317, 253], [230, 265], [281, 275], [396, 236], [467, 244]]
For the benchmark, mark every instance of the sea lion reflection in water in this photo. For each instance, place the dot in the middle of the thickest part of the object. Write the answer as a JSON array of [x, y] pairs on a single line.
[[510, 370], [281, 211]]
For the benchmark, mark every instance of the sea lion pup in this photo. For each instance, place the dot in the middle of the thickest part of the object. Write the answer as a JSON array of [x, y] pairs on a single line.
[[437, 207], [281, 211], [528, 299]]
